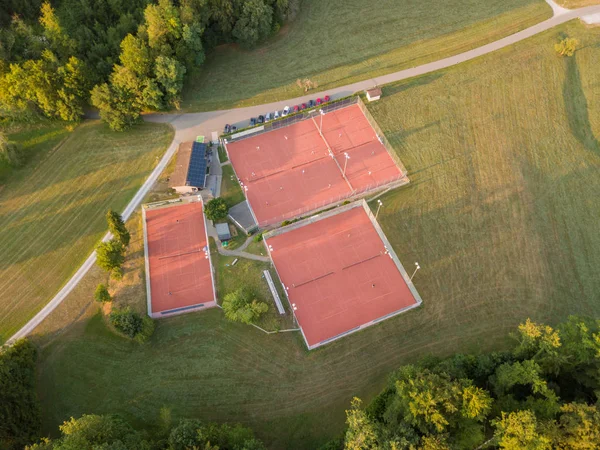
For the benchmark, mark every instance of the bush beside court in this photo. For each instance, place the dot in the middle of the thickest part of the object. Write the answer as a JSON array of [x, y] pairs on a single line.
[[501, 214]]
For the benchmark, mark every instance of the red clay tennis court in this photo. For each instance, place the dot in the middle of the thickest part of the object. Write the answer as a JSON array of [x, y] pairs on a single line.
[[340, 274], [178, 265], [300, 167]]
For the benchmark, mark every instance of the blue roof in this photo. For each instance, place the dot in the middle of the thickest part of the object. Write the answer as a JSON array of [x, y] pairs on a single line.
[[196, 175]]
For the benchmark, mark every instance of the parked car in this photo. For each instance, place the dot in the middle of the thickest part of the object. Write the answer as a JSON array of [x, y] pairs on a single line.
[[326, 99], [319, 101], [253, 121], [302, 106], [276, 115], [227, 129], [233, 128], [296, 108], [268, 117], [285, 111], [311, 104], [261, 119]]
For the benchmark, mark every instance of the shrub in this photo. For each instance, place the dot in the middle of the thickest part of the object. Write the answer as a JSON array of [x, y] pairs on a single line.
[[285, 222], [101, 295], [258, 237], [147, 330], [216, 209], [127, 321]]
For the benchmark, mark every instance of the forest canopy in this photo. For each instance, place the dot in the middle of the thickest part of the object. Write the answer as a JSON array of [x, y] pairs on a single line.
[[121, 56]]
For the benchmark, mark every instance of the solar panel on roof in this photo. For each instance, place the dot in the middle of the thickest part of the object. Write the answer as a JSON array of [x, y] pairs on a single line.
[[196, 175]]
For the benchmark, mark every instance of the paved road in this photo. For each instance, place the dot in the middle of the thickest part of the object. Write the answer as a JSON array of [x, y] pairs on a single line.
[[188, 126]]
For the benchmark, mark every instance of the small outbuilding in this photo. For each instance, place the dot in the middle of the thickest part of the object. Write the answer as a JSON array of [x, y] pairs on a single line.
[[190, 170], [223, 232], [374, 94]]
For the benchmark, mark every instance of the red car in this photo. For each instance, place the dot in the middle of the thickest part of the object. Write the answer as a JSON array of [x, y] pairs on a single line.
[[303, 106], [319, 101], [327, 99], [296, 108]]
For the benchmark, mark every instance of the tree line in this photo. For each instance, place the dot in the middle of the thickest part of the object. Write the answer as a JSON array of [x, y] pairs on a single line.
[[121, 56], [540, 395]]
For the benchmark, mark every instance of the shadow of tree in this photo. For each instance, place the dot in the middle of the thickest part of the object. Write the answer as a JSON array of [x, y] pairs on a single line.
[[576, 107]]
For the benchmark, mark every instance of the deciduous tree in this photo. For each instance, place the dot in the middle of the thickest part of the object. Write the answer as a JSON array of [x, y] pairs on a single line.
[[216, 209], [110, 255]]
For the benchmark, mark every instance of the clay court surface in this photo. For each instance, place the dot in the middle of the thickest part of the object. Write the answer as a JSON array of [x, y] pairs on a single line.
[[180, 273], [338, 274], [291, 170]]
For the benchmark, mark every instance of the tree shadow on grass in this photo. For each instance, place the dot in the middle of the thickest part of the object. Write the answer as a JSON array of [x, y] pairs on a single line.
[[402, 86], [576, 107]]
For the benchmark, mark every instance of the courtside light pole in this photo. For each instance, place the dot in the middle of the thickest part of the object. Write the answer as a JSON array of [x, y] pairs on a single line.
[[346, 161], [294, 313], [378, 208], [417, 268]]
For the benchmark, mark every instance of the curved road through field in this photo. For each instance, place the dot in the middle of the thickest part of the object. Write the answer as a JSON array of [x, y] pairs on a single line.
[[188, 126]]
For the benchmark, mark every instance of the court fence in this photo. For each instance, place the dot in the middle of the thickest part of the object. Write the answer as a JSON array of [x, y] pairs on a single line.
[[292, 119], [380, 134], [395, 181]]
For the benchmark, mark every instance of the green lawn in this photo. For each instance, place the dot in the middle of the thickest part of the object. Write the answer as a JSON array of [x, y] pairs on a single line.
[[338, 42], [35, 140], [502, 214], [52, 211], [231, 191]]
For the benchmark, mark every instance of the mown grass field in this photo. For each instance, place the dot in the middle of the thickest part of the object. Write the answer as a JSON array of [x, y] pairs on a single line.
[[34, 139], [52, 211], [502, 214], [338, 42]]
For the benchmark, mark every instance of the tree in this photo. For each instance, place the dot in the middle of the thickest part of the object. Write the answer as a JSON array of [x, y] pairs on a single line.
[[566, 47], [185, 435], [117, 106], [360, 434], [578, 428], [73, 87], [54, 32], [520, 431], [20, 416], [110, 255], [241, 306], [117, 227], [254, 23], [92, 431], [169, 75], [216, 209], [163, 26], [101, 294], [540, 343], [135, 55]]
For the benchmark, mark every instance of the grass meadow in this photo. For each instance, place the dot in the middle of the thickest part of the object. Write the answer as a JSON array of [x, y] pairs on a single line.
[[502, 214], [52, 211], [338, 42]]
